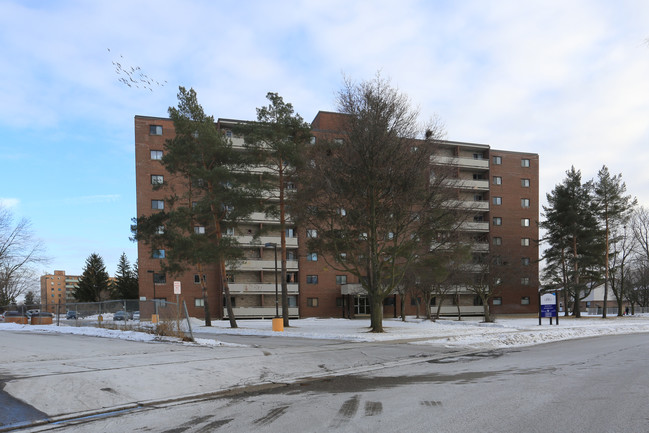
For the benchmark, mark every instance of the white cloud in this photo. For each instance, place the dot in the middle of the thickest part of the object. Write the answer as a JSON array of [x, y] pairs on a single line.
[[9, 202]]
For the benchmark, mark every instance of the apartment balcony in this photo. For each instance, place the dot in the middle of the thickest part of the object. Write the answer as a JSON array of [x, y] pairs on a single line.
[[260, 288], [260, 312], [469, 184], [261, 217], [265, 265], [474, 226], [470, 205], [262, 240], [470, 163]]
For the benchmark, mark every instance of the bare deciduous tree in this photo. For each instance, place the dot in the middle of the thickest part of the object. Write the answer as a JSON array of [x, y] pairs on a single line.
[[20, 251]]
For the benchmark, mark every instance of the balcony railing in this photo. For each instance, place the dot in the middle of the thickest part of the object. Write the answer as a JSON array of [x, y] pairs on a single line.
[[265, 265], [469, 184], [262, 240], [474, 226], [480, 164], [261, 288]]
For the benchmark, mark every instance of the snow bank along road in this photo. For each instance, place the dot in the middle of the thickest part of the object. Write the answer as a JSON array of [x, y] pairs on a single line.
[[50, 377]]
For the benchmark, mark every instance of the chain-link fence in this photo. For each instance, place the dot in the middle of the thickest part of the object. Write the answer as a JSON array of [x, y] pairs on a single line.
[[159, 316]]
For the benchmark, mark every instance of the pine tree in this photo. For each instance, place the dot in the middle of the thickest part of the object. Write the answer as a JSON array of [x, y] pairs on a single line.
[[93, 284], [217, 190], [575, 247], [279, 137], [613, 209], [125, 284]]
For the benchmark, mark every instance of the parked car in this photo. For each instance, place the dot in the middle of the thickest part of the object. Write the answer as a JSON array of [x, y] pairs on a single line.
[[136, 315], [30, 313], [71, 315], [122, 315]]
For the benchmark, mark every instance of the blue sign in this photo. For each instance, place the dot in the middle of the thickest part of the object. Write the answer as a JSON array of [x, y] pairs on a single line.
[[548, 305], [549, 310]]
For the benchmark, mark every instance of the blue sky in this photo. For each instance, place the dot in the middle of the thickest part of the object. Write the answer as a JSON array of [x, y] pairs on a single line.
[[568, 80]]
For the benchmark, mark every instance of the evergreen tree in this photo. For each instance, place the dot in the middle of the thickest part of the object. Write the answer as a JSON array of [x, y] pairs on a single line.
[[217, 190], [93, 284], [279, 136], [30, 298], [575, 242], [125, 284], [613, 209]]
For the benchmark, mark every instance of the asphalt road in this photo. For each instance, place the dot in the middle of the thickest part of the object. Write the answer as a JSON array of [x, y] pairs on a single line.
[[588, 385]]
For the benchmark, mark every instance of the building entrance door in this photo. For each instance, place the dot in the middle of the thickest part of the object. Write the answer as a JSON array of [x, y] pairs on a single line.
[[361, 305]]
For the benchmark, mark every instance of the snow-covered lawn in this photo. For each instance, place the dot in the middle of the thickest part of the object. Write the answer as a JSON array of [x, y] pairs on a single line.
[[506, 332]]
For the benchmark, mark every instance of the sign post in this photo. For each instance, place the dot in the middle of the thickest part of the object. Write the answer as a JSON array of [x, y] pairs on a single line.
[[548, 307], [177, 293]]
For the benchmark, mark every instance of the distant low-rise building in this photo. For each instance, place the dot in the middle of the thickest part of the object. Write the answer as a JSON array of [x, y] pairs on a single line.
[[57, 288]]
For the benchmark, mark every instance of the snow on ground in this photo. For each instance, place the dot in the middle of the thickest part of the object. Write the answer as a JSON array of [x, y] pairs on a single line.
[[505, 332]]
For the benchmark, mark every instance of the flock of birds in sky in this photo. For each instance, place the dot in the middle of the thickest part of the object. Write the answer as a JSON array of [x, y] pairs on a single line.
[[132, 76]]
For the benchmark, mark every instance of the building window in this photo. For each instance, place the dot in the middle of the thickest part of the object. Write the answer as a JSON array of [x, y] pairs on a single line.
[[497, 201], [498, 160], [160, 230], [156, 154], [155, 129], [338, 141], [199, 302], [525, 281], [199, 230], [157, 179], [157, 204], [342, 257], [478, 156], [312, 140], [159, 278], [290, 233], [497, 240], [525, 300], [525, 261], [525, 242], [339, 302], [498, 221], [525, 222], [312, 279], [525, 162], [341, 279], [498, 180], [312, 257], [498, 301], [525, 202], [311, 234], [477, 197], [342, 212], [390, 236], [158, 254], [290, 255], [311, 302], [525, 183], [229, 231], [478, 176]]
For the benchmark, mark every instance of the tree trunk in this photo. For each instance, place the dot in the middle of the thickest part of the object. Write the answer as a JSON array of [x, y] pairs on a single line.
[[206, 304], [606, 269], [486, 312], [403, 307], [282, 221], [376, 313], [228, 301]]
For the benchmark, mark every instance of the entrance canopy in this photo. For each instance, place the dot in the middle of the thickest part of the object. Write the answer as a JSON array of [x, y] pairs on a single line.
[[352, 289]]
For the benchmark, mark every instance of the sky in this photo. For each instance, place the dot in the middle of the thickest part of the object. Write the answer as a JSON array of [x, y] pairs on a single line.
[[568, 80]]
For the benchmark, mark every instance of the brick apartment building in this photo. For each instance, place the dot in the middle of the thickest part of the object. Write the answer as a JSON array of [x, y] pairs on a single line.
[[57, 288], [500, 187]]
